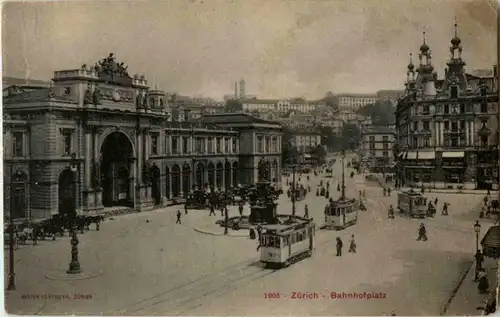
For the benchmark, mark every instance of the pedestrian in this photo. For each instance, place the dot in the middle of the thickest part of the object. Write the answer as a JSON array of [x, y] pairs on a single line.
[[436, 201], [185, 208], [352, 245], [306, 212], [259, 233], [488, 193], [483, 284], [339, 246], [479, 262], [34, 235], [240, 208], [445, 209], [422, 233], [221, 210], [212, 210], [178, 217]]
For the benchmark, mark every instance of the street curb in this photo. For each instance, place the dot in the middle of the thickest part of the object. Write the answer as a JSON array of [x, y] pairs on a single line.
[[63, 276], [455, 290], [211, 233]]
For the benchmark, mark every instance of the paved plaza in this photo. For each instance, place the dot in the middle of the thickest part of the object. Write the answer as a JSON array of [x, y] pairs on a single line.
[[145, 264]]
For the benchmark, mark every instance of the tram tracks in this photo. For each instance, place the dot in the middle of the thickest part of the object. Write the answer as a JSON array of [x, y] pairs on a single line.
[[188, 296], [192, 294]]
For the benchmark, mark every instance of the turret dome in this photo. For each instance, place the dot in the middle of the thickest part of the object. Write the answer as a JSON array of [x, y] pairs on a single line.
[[455, 41]]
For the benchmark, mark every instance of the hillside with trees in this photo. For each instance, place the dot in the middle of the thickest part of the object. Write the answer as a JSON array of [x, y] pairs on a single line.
[[233, 105], [381, 112]]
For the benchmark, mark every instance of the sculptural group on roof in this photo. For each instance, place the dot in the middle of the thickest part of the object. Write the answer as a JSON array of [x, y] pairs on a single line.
[[110, 66]]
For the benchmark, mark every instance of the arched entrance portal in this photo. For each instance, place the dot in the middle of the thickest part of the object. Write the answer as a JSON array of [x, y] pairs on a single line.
[[235, 174], [167, 182], [211, 174], [155, 184], [227, 174], [275, 171], [218, 176], [200, 173], [67, 192], [176, 180], [117, 154], [19, 198], [186, 179]]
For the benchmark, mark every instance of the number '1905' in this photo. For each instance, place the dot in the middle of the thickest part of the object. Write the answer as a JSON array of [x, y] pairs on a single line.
[[271, 295]]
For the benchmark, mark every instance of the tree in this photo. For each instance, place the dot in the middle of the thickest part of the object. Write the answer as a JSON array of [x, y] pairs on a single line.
[[382, 112], [319, 153], [233, 105], [351, 136], [288, 153]]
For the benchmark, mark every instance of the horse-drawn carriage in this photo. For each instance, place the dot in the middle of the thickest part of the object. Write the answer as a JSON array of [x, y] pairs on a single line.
[[197, 199], [49, 228], [329, 172]]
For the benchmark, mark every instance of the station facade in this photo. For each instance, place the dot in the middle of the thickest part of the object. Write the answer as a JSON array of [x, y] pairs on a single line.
[[98, 137]]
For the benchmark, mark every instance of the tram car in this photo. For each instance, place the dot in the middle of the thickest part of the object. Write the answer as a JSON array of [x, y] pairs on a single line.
[[341, 213], [284, 244], [412, 203]]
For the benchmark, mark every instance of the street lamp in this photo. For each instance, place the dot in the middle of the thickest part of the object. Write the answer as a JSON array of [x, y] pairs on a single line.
[[477, 229], [11, 286], [74, 265]]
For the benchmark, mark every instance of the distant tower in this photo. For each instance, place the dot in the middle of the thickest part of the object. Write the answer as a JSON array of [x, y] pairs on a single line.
[[242, 89], [235, 90]]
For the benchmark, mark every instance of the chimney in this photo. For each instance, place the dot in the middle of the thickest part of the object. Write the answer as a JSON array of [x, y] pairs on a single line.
[[235, 90]]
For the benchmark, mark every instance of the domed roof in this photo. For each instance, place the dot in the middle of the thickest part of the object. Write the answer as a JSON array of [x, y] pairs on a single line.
[[411, 66], [455, 41], [424, 48]]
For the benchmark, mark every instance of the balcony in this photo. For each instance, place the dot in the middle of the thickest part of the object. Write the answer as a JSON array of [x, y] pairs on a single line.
[[453, 131]]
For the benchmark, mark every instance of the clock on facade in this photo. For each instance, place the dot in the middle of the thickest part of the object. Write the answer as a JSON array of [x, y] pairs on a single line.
[[116, 95]]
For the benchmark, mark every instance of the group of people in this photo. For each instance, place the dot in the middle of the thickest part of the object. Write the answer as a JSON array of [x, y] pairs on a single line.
[[340, 245]]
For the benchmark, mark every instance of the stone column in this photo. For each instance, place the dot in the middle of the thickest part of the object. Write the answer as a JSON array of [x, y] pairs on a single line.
[[467, 133], [88, 155], [139, 157], [223, 180], [147, 144], [254, 142], [231, 176], [132, 180], [181, 184]]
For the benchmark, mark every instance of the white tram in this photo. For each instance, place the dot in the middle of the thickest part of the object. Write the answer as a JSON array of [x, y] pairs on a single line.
[[342, 213], [285, 244]]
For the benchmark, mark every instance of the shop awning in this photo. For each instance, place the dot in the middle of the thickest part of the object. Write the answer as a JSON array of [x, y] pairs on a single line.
[[411, 156], [491, 242], [426, 155], [453, 154]]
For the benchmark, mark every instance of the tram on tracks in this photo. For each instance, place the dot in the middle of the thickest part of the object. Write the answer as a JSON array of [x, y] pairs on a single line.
[[286, 243], [341, 213]]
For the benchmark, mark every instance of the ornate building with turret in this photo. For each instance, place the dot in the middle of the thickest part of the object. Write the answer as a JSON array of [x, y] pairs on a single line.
[[447, 129], [98, 137]]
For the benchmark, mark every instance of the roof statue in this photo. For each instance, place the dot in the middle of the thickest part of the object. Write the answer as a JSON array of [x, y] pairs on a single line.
[[112, 71]]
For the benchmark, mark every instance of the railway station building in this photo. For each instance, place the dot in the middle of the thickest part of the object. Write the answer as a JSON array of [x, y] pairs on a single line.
[[98, 137]]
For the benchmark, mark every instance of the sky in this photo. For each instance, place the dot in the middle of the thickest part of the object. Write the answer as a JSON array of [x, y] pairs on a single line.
[[282, 49]]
